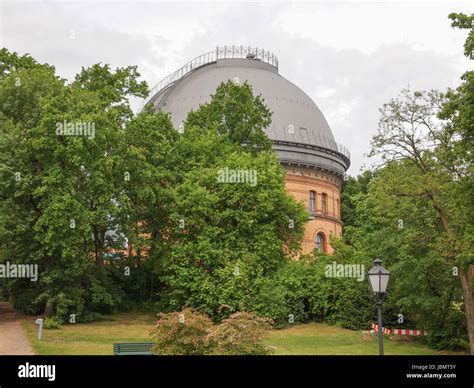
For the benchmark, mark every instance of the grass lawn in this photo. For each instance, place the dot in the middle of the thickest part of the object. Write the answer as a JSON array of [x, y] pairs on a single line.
[[312, 338], [322, 339], [90, 338]]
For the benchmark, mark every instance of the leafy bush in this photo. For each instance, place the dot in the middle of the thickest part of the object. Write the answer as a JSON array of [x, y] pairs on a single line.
[[25, 299], [67, 303], [183, 333], [190, 332], [92, 316], [300, 292], [52, 324], [267, 300], [241, 334], [296, 279]]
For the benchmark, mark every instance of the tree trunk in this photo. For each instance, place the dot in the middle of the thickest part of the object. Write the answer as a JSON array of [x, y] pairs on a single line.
[[48, 310], [99, 238], [467, 281]]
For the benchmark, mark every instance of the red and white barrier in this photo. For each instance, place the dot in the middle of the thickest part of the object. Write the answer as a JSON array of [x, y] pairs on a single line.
[[375, 329], [408, 332]]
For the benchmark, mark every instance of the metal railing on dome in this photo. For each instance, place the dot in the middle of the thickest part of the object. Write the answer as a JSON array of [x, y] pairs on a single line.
[[221, 52], [247, 52], [343, 150]]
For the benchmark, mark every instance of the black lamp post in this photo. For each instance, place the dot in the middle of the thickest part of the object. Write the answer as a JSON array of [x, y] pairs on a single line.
[[378, 279]]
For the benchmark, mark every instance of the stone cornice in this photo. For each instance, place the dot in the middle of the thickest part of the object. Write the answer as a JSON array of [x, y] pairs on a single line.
[[314, 180]]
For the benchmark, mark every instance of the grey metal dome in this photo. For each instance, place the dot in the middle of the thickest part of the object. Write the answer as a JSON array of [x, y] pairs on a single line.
[[300, 133]]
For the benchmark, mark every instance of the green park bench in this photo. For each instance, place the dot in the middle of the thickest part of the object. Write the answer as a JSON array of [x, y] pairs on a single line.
[[133, 349]]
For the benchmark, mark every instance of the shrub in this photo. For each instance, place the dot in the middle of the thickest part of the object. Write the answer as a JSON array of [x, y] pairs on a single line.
[[241, 334], [52, 324], [184, 333], [192, 333], [67, 303], [296, 281], [92, 316], [25, 299], [268, 300]]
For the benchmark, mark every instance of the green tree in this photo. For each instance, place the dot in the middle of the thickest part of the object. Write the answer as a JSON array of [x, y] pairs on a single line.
[[73, 166], [405, 231], [349, 195], [426, 174], [235, 112], [226, 234]]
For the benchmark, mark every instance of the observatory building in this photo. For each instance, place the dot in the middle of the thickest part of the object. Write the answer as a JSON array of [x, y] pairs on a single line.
[[315, 164]]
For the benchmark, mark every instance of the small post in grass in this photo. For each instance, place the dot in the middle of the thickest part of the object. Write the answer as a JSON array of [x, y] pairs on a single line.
[[39, 322]]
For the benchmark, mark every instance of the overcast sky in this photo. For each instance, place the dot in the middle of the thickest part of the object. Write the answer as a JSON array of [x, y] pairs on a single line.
[[349, 57]]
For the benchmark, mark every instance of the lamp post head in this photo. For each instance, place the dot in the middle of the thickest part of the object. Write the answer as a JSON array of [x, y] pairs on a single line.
[[378, 278]]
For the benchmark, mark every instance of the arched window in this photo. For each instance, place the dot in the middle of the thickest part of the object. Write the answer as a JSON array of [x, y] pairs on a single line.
[[320, 242], [324, 203], [312, 201], [338, 215]]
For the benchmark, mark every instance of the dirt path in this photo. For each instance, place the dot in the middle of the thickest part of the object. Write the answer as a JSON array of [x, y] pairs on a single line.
[[12, 336]]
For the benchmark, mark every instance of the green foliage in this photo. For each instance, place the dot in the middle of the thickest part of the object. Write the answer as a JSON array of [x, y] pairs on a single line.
[[52, 324], [183, 333], [422, 286], [190, 332], [225, 239], [343, 301], [12, 62], [241, 334], [237, 114], [219, 247], [300, 292], [427, 185], [428, 182], [26, 298], [293, 282], [135, 179], [69, 302], [349, 195], [63, 199], [464, 22]]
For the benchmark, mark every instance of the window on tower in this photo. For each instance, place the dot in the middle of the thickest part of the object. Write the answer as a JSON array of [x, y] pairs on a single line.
[[324, 203], [312, 201], [320, 243]]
